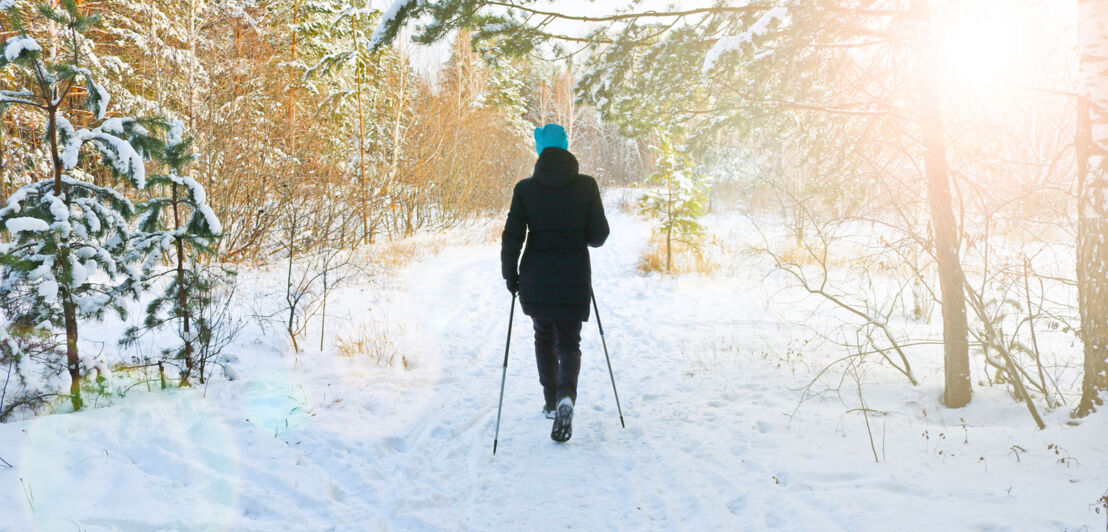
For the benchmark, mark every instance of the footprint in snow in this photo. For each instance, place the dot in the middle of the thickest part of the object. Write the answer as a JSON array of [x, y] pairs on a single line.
[[442, 433], [737, 506], [335, 492], [396, 443]]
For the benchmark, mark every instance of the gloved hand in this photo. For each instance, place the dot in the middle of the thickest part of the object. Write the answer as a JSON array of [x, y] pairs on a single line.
[[513, 285]]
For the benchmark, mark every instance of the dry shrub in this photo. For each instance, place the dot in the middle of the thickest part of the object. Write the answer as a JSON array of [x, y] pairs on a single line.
[[435, 246], [494, 233], [628, 205], [652, 260], [843, 256], [701, 263], [686, 258], [397, 253], [372, 341], [800, 256]]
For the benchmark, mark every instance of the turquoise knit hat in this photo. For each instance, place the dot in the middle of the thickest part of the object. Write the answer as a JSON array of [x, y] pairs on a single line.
[[550, 136]]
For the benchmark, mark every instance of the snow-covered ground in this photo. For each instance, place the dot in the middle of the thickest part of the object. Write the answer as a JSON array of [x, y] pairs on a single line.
[[709, 370]]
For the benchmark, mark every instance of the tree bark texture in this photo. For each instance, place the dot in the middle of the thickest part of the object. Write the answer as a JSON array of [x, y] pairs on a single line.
[[957, 389], [1092, 170]]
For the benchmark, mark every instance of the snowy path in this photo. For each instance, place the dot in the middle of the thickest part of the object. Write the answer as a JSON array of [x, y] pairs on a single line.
[[707, 371], [635, 476]]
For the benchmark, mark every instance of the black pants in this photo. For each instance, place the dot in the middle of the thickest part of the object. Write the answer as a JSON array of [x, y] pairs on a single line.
[[558, 353]]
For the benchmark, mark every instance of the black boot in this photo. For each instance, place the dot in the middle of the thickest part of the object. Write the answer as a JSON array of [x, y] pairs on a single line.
[[563, 421]]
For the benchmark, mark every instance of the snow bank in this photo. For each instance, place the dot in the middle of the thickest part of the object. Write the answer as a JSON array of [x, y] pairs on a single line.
[[709, 369]]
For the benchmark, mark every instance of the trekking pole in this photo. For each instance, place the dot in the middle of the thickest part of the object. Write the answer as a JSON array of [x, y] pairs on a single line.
[[606, 357], [504, 374]]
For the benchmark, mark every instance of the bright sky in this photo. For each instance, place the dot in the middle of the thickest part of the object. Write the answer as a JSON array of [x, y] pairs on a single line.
[[984, 44], [428, 59]]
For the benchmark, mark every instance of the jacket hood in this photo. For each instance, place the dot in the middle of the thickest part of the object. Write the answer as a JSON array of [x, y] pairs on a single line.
[[556, 168]]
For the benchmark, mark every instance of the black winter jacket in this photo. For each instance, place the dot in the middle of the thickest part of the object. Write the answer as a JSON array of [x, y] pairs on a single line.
[[557, 211]]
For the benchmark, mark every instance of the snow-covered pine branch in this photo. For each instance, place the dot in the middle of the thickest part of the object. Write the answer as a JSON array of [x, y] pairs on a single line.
[[392, 20], [65, 260], [732, 43], [122, 142]]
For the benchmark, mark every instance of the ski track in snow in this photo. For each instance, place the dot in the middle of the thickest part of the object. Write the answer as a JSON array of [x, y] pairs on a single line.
[[313, 441]]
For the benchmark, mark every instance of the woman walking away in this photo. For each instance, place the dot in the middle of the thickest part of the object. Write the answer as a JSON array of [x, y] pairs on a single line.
[[558, 213]]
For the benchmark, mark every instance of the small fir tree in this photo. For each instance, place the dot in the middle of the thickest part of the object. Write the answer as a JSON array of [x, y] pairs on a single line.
[[64, 261], [681, 198], [183, 226]]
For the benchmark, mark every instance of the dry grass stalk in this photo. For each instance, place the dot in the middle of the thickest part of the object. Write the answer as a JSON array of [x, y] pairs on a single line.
[[373, 342], [686, 258]]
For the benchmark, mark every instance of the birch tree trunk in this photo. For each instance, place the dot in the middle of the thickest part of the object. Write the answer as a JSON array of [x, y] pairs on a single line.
[[565, 107], [1092, 175]]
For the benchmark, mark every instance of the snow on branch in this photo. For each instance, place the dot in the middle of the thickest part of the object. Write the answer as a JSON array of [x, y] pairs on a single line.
[[117, 151], [98, 98], [97, 190], [732, 43], [390, 22], [20, 97], [17, 45], [26, 223], [123, 157], [210, 218]]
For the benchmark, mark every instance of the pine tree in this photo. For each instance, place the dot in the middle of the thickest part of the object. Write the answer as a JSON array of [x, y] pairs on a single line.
[[64, 231], [184, 226], [1092, 232], [508, 91], [338, 63], [143, 55], [682, 200]]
